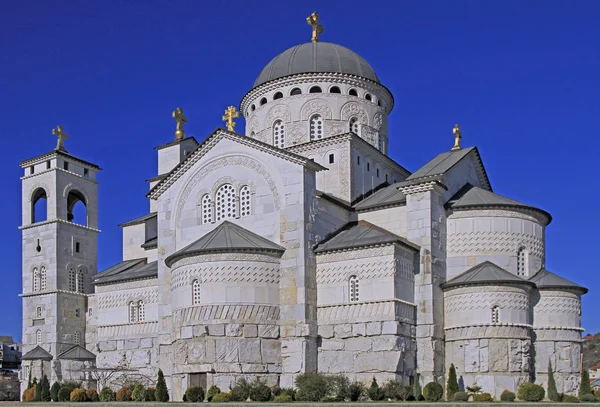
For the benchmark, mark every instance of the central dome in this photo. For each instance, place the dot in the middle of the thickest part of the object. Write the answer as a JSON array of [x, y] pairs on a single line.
[[316, 57]]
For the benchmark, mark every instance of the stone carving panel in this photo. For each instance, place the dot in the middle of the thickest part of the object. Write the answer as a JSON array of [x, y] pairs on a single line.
[[378, 120], [474, 242], [296, 133], [335, 127], [278, 112], [234, 312], [120, 299], [485, 301], [316, 106], [370, 135], [354, 109], [364, 270], [240, 273]]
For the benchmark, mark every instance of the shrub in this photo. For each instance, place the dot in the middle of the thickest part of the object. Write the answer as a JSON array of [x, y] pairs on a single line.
[[312, 386], [585, 387], [588, 398], [396, 390], [71, 385], [44, 389], [161, 394], [340, 385], [92, 395], [570, 399], [417, 394], [64, 394], [150, 394], [433, 392], [552, 392], [276, 391], [29, 394], [241, 390], [138, 393], [259, 391], [106, 395], [375, 392], [220, 398], [194, 394], [530, 392], [124, 394], [356, 390], [78, 395], [452, 383], [508, 395], [212, 391], [482, 397], [283, 398], [460, 396], [54, 391]]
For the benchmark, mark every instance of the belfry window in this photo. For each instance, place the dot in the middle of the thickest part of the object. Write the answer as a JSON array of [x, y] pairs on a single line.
[[38, 336], [196, 292], [245, 201], [263, 101], [207, 214], [36, 279], [226, 202], [278, 134], [76, 338], [368, 97], [353, 288], [72, 284], [522, 261], [80, 280], [354, 125], [495, 314], [38, 312], [43, 278], [316, 127]]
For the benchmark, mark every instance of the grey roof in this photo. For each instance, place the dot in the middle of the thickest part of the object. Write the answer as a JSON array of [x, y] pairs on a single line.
[[387, 196], [77, 352], [226, 237], [470, 196], [360, 234], [127, 270], [7, 340], [486, 273], [139, 220], [37, 353], [441, 163], [151, 243], [316, 57], [175, 142], [61, 153], [547, 279]]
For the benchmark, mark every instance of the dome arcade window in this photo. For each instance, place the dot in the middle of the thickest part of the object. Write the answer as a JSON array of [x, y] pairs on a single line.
[[252, 108], [354, 125], [315, 89], [245, 201], [353, 92], [196, 292], [316, 127], [226, 205], [277, 95], [335, 89], [295, 91], [278, 134], [353, 288], [263, 101], [522, 261], [495, 314], [368, 97], [207, 214]]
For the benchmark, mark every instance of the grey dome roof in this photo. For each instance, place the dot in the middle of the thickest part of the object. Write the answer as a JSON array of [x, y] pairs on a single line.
[[316, 57]]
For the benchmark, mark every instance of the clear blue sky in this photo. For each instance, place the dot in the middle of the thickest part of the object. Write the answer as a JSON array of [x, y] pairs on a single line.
[[521, 78]]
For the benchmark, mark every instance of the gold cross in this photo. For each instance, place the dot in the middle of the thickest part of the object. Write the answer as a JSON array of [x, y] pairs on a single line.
[[313, 21], [230, 114], [181, 120], [58, 132], [457, 137]]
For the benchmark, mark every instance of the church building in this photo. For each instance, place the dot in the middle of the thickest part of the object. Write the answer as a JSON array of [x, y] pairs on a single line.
[[297, 246]]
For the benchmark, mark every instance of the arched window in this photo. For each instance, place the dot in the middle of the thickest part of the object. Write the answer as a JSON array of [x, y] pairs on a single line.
[[76, 338], [43, 278], [379, 103], [252, 108], [354, 125], [263, 101], [226, 204], [252, 134], [72, 286], [353, 92], [133, 312], [141, 311], [38, 336], [335, 89], [316, 127], [495, 314], [295, 91], [207, 214], [277, 95], [368, 97], [36, 279], [278, 134], [196, 292], [38, 312], [76, 208], [522, 261], [245, 201], [315, 89], [80, 280], [39, 206], [353, 288]]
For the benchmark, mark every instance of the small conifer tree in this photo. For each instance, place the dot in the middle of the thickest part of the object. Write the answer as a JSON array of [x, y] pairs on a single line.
[[417, 393], [552, 392], [452, 384], [162, 394], [375, 392], [29, 382], [585, 387], [45, 389]]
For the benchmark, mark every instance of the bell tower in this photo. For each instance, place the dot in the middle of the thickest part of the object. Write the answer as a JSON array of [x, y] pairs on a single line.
[[59, 234]]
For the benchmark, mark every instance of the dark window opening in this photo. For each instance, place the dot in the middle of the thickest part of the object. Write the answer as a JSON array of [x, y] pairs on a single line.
[[263, 101], [331, 158], [278, 95], [353, 92], [47, 165], [315, 89], [31, 169], [335, 89], [66, 165], [77, 313], [379, 103], [368, 97], [368, 166], [39, 206], [295, 91], [377, 172], [252, 108], [86, 172], [358, 160], [38, 247], [386, 178], [76, 247], [76, 208]]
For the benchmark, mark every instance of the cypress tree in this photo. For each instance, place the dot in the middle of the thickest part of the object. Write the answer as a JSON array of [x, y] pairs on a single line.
[[552, 392], [38, 389], [29, 382], [417, 394], [162, 394], [585, 387], [45, 389], [452, 384]]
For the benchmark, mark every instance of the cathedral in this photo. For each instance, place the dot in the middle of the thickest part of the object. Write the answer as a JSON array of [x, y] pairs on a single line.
[[298, 246]]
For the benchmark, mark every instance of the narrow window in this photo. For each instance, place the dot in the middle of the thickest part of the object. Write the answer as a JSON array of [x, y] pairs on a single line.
[[521, 262], [66, 165], [196, 292], [252, 134], [31, 169], [76, 247], [43, 278], [354, 125], [38, 312], [72, 285], [315, 89], [38, 247], [353, 92], [36, 280], [277, 95], [263, 101], [377, 172], [76, 338], [226, 203], [358, 160], [90, 312], [368, 97], [295, 91], [353, 287], [335, 89], [86, 173], [207, 214], [252, 108], [132, 312], [77, 313], [80, 279], [331, 158], [47, 165], [386, 177], [316, 127], [141, 311], [495, 314], [245, 201], [38, 336], [368, 166], [278, 134]]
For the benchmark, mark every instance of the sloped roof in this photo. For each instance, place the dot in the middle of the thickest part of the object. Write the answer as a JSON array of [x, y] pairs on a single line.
[[226, 237], [37, 353], [7, 340], [151, 243], [77, 352], [547, 279], [138, 220], [360, 234], [127, 270], [54, 153], [486, 273], [387, 196]]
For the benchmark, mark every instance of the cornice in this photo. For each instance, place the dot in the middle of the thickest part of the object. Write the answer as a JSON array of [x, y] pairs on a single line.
[[93, 181], [48, 222]]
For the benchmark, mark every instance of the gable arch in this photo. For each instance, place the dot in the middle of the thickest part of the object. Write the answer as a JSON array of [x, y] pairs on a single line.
[[278, 112]]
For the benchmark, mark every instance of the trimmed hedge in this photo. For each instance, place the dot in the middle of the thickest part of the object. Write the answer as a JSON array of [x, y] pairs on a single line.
[[151, 394], [588, 398], [29, 394], [124, 394], [212, 391], [508, 396], [461, 396], [92, 395], [107, 395], [78, 395], [482, 397], [312, 386], [64, 394], [570, 399], [396, 390], [283, 398], [138, 393], [259, 391], [195, 394], [220, 398], [530, 392], [433, 392]]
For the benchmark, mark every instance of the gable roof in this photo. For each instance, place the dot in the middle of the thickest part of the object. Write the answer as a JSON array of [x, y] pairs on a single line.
[[546, 279], [470, 196], [37, 353], [486, 273], [360, 234], [443, 162], [7, 340], [211, 141], [127, 270], [140, 219], [388, 196], [226, 237], [77, 352], [54, 154]]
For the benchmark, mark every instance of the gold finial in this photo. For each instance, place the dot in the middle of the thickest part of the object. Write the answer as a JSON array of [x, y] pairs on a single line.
[[317, 29], [181, 120], [62, 136], [457, 137], [230, 114]]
